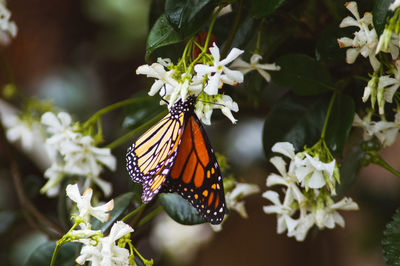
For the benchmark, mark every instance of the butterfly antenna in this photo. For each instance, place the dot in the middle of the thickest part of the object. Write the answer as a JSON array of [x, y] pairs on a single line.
[[165, 93]]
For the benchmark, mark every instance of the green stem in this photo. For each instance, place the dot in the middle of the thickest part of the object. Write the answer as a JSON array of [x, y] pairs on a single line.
[[112, 107], [149, 216], [134, 132], [377, 159], [235, 26], [328, 114], [53, 258], [205, 48], [132, 213], [147, 262]]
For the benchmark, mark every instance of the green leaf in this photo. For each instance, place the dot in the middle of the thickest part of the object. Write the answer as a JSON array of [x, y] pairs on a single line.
[[327, 47], [380, 13], [162, 34], [296, 119], [180, 210], [187, 17], [121, 203], [42, 255], [391, 241], [303, 74], [349, 169], [340, 123], [139, 113], [262, 8]]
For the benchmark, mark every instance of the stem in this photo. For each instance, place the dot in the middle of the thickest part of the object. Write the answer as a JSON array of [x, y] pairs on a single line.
[[235, 26], [205, 48], [134, 132], [150, 216], [26, 204], [328, 114], [377, 159], [53, 258], [111, 107], [129, 215]]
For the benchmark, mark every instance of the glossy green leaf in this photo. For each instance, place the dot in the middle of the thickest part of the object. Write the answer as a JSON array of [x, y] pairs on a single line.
[[187, 17], [180, 209], [262, 8], [42, 255], [121, 203], [139, 113], [161, 34], [303, 74], [327, 47], [380, 13], [340, 123], [391, 241], [349, 169], [298, 120]]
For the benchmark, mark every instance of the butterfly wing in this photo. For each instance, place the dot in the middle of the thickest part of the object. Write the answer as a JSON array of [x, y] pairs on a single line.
[[196, 175], [150, 158]]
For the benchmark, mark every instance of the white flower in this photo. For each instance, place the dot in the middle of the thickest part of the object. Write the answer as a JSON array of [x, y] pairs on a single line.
[[394, 5], [245, 67], [8, 29], [55, 173], [78, 153], [106, 252], [328, 216], [20, 129], [234, 198], [371, 89], [365, 40], [179, 242], [205, 108], [385, 131], [283, 210], [85, 208], [219, 73], [299, 212], [163, 77], [312, 173]]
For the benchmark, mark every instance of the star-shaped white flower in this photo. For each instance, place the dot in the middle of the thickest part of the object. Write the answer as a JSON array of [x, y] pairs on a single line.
[[394, 5], [85, 208], [106, 252], [312, 173], [385, 131], [219, 73], [254, 64], [329, 216], [283, 210], [365, 40], [204, 109], [163, 77], [234, 198]]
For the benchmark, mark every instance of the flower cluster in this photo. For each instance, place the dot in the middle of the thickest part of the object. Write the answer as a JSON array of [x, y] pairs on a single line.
[[74, 154], [365, 39], [203, 80], [8, 29], [385, 131], [97, 249], [309, 186]]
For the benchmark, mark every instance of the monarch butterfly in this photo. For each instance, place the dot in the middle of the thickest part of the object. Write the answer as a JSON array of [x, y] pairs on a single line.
[[175, 155]]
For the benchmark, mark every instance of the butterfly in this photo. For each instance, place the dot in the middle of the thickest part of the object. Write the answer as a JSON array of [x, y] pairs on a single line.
[[175, 155]]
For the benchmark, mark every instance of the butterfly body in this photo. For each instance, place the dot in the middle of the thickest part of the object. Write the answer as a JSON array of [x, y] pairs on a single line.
[[175, 155]]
